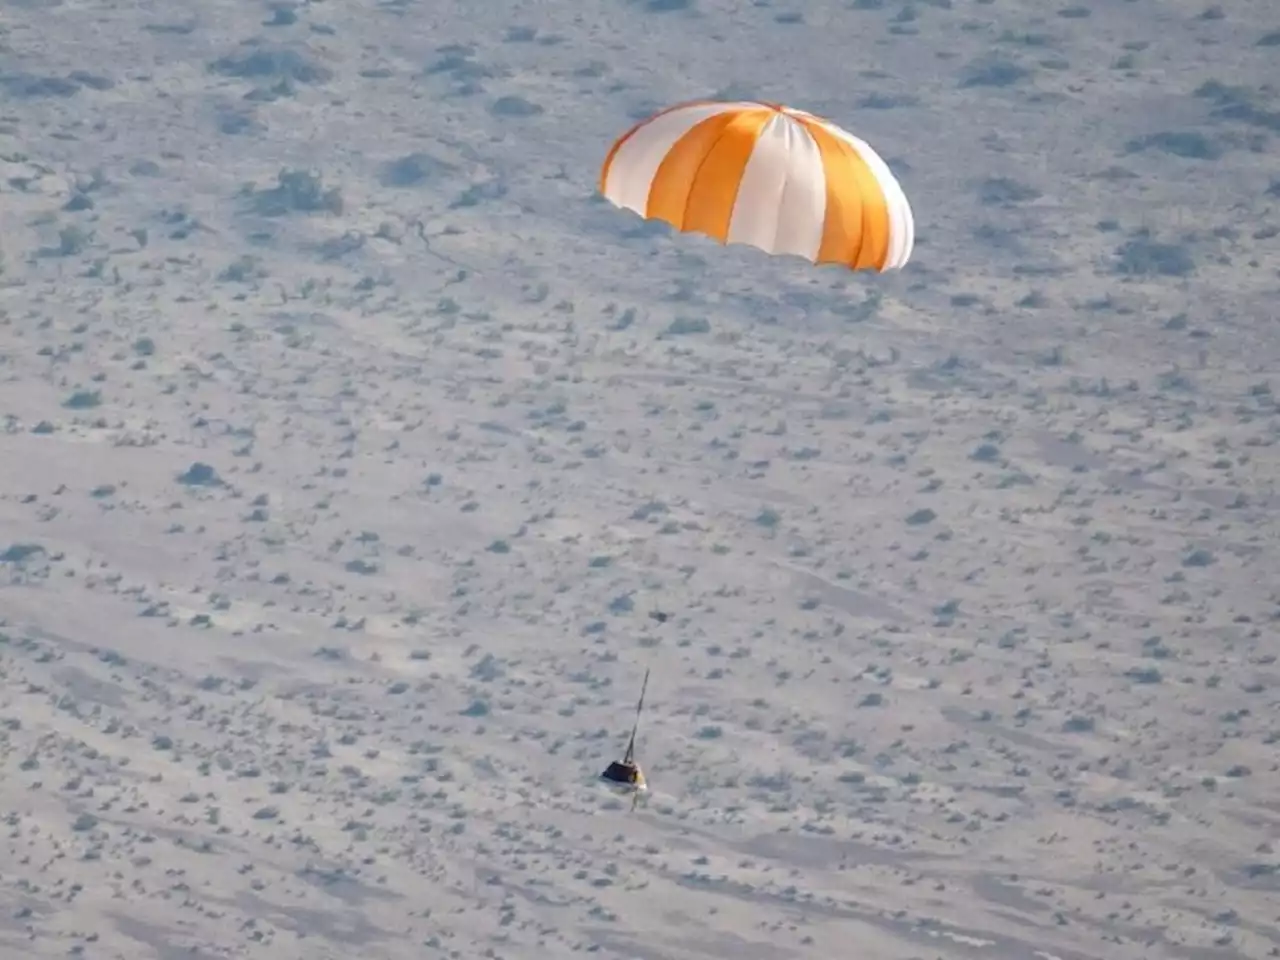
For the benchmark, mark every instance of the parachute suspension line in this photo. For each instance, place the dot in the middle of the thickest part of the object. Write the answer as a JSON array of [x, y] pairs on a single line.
[[631, 744]]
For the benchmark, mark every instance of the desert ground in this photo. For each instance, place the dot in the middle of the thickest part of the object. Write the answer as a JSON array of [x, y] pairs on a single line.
[[350, 438]]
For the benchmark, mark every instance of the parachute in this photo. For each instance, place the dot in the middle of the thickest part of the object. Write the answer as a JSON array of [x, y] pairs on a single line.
[[765, 175]]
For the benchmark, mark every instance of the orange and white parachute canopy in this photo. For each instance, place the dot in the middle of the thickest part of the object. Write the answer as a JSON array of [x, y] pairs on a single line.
[[765, 175]]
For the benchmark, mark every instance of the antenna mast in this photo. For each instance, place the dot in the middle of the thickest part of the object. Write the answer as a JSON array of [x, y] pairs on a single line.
[[631, 744]]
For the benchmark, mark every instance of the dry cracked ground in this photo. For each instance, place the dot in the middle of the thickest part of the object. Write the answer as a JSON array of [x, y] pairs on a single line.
[[349, 439]]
